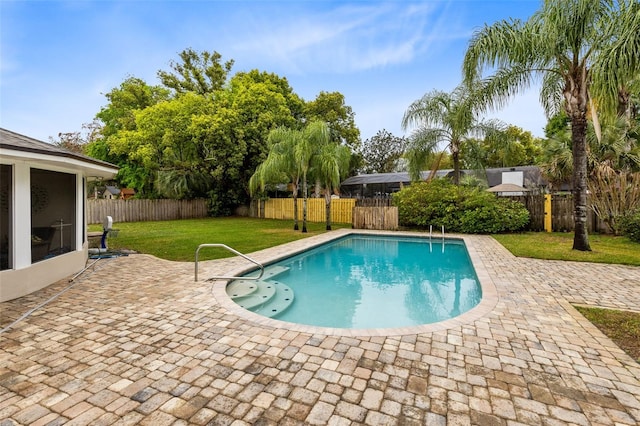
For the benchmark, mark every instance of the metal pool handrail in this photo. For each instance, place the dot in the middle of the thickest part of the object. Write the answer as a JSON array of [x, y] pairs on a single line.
[[431, 232], [233, 251]]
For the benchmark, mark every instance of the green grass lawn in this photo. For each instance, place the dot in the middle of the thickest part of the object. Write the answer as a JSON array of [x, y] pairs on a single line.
[[621, 327], [557, 246], [178, 239]]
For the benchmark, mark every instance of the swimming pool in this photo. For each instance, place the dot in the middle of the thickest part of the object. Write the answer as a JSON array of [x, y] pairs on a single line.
[[366, 281]]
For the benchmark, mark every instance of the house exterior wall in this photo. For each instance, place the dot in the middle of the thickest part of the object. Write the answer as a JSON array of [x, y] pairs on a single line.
[[20, 282], [516, 178], [23, 275]]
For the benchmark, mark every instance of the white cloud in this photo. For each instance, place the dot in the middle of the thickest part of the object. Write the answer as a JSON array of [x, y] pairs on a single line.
[[347, 39], [58, 59]]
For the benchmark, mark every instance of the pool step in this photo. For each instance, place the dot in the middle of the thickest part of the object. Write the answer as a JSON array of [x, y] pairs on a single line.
[[241, 288], [262, 293], [281, 300], [268, 298], [270, 272]]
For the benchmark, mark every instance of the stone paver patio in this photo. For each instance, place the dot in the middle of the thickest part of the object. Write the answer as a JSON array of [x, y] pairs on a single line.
[[137, 341]]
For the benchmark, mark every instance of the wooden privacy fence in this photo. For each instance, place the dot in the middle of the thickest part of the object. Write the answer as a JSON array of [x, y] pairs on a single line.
[[377, 213], [385, 218], [561, 213], [145, 210], [535, 205], [343, 210], [282, 208]]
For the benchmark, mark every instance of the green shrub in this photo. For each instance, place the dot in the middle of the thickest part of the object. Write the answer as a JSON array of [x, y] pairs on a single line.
[[503, 215], [458, 208], [630, 225], [423, 204]]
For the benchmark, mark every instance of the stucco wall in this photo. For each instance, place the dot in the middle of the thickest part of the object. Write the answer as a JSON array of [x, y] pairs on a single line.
[[16, 283]]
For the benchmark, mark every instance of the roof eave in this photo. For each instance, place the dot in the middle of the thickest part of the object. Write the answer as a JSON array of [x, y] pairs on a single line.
[[91, 168]]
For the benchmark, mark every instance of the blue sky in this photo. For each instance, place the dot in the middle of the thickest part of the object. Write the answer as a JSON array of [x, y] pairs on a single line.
[[59, 58]]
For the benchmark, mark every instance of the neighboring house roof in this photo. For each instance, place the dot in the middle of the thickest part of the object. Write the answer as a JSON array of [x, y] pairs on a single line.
[[128, 191], [531, 175], [389, 177], [17, 145], [112, 190], [507, 187]]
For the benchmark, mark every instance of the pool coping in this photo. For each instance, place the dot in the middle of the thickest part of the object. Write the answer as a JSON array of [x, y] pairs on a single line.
[[487, 303]]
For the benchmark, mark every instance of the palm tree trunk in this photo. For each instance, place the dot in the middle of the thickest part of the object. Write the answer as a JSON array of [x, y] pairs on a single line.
[[579, 143], [295, 207], [455, 154], [327, 208], [624, 106], [304, 204], [295, 212]]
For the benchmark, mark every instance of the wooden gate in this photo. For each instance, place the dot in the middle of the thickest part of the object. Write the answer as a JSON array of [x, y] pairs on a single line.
[[382, 218]]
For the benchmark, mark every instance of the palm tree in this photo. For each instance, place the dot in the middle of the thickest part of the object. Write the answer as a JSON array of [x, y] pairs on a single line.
[[442, 118], [316, 136], [615, 149], [331, 163], [582, 49], [290, 158], [281, 165], [557, 159]]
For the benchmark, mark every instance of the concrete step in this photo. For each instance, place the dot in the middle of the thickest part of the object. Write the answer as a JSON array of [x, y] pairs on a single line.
[[268, 298], [281, 300], [262, 293], [270, 272], [241, 288]]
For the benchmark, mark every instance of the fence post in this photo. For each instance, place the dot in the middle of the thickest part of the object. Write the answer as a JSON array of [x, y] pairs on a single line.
[[548, 215]]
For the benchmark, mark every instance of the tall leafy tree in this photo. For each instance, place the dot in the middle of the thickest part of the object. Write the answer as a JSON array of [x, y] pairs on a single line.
[[198, 72], [116, 119], [513, 147], [162, 142], [192, 144], [443, 118], [223, 151], [263, 101], [133, 94], [582, 50], [382, 152], [330, 107]]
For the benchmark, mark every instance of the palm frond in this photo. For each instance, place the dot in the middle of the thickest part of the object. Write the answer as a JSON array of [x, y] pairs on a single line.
[[495, 92], [551, 96], [428, 110], [500, 46], [422, 144], [618, 62]]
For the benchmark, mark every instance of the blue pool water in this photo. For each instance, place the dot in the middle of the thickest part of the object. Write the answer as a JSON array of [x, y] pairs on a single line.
[[364, 281]]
